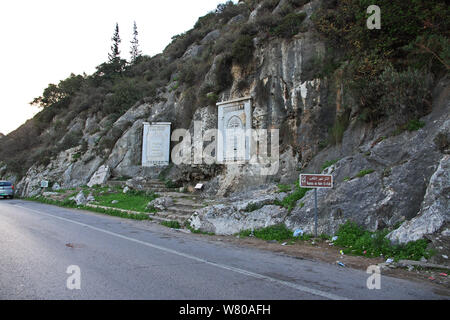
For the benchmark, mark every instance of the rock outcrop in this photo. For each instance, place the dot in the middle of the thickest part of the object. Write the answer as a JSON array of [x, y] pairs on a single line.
[[434, 215]]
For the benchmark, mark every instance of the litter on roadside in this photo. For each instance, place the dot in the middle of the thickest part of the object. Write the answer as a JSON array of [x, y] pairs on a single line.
[[298, 233], [340, 264], [443, 274], [334, 238], [388, 261], [341, 252], [284, 243]]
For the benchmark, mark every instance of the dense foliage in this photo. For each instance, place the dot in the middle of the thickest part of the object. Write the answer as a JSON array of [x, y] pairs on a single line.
[[389, 71]]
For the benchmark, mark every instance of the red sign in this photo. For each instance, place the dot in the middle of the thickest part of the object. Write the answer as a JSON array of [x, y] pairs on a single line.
[[316, 181]]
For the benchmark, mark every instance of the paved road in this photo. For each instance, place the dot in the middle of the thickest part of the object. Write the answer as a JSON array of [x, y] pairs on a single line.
[[122, 259]]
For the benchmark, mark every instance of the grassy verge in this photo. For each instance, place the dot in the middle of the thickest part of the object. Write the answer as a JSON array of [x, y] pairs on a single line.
[[357, 241], [278, 233], [171, 224], [134, 201], [353, 240], [71, 204]]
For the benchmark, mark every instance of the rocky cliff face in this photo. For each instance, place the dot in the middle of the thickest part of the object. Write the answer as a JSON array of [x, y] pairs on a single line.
[[405, 178]]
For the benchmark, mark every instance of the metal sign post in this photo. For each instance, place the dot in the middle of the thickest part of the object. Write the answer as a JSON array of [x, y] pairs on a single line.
[[316, 181]]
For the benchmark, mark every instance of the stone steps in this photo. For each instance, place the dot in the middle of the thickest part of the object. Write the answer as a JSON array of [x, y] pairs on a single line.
[[184, 206]]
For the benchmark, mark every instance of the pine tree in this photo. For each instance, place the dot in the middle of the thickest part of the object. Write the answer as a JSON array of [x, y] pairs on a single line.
[[135, 52], [114, 56]]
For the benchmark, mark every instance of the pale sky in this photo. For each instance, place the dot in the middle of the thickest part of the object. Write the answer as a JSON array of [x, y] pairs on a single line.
[[43, 41]]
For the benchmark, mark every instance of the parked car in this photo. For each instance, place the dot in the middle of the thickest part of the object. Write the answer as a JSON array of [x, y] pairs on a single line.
[[6, 189]]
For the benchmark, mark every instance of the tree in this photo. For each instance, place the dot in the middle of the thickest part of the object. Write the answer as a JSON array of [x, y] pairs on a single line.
[[115, 52], [60, 94], [135, 52]]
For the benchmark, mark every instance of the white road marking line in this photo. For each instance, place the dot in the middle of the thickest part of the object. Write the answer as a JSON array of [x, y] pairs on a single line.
[[188, 256]]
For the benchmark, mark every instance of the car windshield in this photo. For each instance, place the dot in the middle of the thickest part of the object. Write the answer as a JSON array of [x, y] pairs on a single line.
[[5, 184]]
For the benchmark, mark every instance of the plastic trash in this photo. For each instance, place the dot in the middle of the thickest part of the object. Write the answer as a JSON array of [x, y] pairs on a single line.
[[334, 238], [283, 244], [298, 233], [341, 252], [443, 274], [340, 264], [388, 261]]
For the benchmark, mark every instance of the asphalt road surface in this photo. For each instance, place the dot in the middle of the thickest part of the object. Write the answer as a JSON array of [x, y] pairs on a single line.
[[123, 259]]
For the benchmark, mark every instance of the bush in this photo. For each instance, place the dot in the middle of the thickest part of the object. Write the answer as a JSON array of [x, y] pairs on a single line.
[[72, 139], [242, 49], [414, 125], [223, 75], [125, 94], [338, 129], [290, 25], [400, 95], [269, 4]]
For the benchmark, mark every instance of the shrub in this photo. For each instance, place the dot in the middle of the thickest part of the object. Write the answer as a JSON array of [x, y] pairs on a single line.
[[242, 49], [223, 75], [269, 4], [338, 129], [442, 141], [399, 95], [72, 139], [289, 25], [414, 125], [298, 3]]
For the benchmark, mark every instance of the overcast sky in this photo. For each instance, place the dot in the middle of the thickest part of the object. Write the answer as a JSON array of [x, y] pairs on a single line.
[[43, 41]]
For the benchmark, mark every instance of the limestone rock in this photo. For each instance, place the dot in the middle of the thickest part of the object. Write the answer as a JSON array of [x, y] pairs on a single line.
[[212, 36], [80, 199], [161, 203], [228, 220], [90, 198], [100, 176], [435, 208], [249, 210], [56, 187]]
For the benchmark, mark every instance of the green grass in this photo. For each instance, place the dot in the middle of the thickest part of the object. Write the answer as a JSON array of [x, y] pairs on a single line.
[[290, 201], [278, 233], [284, 188], [71, 204], [328, 164], [363, 173], [133, 200], [253, 207], [356, 241], [414, 125], [171, 224]]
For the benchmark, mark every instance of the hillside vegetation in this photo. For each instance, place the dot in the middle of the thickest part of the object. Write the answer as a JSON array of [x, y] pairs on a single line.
[[389, 72]]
